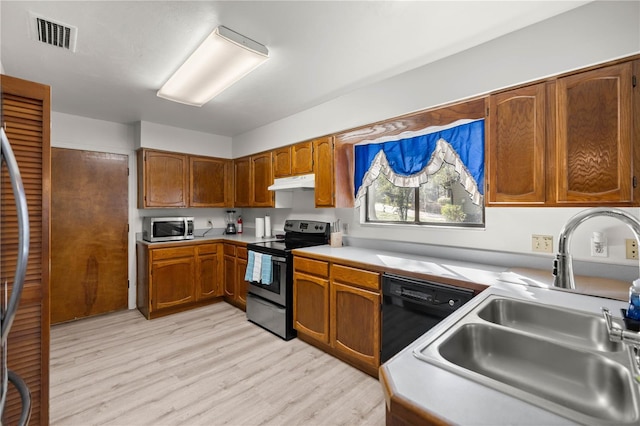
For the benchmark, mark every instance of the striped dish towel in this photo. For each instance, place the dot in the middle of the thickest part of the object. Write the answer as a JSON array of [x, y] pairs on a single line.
[[257, 267], [267, 270], [248, 274]]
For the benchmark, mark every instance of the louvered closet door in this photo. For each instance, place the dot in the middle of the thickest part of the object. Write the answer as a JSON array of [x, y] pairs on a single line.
[[25, 115]]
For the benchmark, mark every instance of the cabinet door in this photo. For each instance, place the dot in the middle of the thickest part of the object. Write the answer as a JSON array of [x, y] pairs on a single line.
[[311, 306], [241, 284], [302, 158], [594, 136], [229, 276], [516, 147], [207, 182], [355, 323], [164, 179], [242, 182], [173, 282], [262, 179], [209, 276], [282, 162], [323, 168]]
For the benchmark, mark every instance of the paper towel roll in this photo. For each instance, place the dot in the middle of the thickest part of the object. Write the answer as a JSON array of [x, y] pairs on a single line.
[[267, 226], [259, 227]]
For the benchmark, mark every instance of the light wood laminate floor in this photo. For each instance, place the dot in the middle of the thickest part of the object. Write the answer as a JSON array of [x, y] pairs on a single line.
[[208, 366]]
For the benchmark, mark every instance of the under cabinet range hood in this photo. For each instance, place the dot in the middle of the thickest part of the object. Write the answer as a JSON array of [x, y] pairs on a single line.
[[294, 182]]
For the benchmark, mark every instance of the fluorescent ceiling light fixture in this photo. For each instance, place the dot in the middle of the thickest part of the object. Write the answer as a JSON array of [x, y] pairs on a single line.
[[223, 58]]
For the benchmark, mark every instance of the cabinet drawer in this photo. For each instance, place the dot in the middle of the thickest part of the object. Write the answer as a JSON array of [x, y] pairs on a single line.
[[313, 267], [241, 252], [358, 277], [168, 253], [230, 250], [207, 248]]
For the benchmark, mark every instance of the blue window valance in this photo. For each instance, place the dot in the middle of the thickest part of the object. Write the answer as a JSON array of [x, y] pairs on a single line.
[[409, 158]]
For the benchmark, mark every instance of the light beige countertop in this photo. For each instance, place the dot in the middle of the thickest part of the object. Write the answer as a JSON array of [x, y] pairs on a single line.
[[214, 236], [459, 271]]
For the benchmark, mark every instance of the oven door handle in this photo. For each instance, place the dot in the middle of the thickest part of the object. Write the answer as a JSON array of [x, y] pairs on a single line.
[[278, 259]]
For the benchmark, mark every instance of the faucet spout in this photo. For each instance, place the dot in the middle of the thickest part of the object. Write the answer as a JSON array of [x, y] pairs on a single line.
[[562, 265]]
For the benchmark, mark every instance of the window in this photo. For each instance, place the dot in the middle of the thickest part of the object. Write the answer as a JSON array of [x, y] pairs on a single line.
[[442, 200]]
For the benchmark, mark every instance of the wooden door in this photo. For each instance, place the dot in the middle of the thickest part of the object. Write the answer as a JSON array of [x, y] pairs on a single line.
[[323, 168], [229, 271], [516, 147], [282, 162], [172, 282], [89, 233], [302, 158], [262, 179], [164, 179], [241, 283], [594, 136], [355, 323], [242, 182], [208, 267], [26, 118], [311, 306], [208, 182]]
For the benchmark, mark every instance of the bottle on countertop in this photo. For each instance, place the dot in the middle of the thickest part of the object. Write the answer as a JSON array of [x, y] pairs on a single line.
[[634, 301], [239, 225]]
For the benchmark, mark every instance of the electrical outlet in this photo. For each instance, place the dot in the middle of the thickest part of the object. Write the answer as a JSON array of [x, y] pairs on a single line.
[[542, 243], [632, 249]]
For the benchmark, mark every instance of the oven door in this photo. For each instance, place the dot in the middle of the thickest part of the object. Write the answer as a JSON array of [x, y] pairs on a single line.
[[276, 292]]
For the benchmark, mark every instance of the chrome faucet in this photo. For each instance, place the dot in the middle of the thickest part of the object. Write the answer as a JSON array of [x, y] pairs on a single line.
[[562, 266], [631, 338]]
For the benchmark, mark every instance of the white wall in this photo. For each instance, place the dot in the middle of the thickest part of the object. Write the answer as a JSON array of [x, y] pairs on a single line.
[[594, 33], [158, 136], [74, 132]]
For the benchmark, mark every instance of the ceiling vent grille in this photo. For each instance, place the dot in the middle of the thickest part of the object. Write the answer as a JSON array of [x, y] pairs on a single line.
[[53, 33]]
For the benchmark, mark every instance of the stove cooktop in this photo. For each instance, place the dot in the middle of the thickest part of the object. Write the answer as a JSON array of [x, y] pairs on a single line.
[[298, 234]]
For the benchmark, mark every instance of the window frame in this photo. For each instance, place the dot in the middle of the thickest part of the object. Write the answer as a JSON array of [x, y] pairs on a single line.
[[416, 222]]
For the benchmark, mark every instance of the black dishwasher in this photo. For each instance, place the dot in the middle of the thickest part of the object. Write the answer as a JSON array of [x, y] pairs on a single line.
[[410, 307]]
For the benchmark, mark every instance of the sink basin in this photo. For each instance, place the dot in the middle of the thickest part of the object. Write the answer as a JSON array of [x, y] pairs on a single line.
[[581, 381], [560, 360], [576, 328]]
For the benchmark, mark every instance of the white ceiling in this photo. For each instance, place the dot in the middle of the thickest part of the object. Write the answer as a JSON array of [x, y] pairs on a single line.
[[319, 50]]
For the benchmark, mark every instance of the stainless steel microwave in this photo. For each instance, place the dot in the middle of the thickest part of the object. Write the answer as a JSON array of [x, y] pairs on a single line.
[[155, 229]]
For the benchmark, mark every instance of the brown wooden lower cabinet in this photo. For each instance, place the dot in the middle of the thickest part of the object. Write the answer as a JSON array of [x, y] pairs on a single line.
[[179, 276], [235, 266], [337, 308]]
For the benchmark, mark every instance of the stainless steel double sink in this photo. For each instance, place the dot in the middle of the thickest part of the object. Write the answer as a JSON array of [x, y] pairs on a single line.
[[558, 359]]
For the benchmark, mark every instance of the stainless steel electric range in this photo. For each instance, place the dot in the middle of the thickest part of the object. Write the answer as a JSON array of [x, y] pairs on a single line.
[[271, 305]]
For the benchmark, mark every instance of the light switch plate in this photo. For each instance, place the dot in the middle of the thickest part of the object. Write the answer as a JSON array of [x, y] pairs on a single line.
[[542, 243]]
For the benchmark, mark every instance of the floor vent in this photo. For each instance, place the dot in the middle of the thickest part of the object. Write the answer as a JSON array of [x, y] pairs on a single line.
[[53, 33]]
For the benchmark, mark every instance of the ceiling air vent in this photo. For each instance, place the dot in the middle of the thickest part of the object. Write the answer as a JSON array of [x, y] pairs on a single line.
[[53, 33]]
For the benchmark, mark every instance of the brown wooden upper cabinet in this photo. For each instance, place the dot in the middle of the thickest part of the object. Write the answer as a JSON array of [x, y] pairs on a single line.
[[324, 170], [282, 162], [594, 136], [210, 182], [566, 141], [516, 149], [162, 179], [253, 175], [293, 160], [262, 179], [170, 179], [302, 158]]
